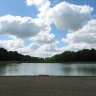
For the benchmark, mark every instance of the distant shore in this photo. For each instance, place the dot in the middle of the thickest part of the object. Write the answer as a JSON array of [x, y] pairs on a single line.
[[75, 62], [47, 86], [83, 55]]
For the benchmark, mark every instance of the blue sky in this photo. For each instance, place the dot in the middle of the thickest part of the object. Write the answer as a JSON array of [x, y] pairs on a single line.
[[16, 8], [58, 37]]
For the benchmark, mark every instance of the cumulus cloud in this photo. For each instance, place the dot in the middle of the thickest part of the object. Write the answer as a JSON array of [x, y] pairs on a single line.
[[83, 38], [35, 2], [69, 16], [35, 49], [86, 34], [76, 19], [21, 27], [38, 3], [44, 38], [12, 45], [48, 49], [63, 14]]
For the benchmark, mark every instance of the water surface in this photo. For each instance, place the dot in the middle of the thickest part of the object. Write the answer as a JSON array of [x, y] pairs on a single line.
[[52, 69]]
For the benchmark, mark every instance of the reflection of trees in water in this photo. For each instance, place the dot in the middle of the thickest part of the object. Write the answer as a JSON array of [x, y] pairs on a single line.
[[68, 68], [80, 70], [8, 68], [13, 68], [2, 68], [91, 71]]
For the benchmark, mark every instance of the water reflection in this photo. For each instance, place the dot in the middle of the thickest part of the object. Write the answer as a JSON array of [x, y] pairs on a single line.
[[8, 68], [80, 70], [52, 69], [89, 70]]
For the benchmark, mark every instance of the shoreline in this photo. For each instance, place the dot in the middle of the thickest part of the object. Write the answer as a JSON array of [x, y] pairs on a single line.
[[94, 62], [44, 85]]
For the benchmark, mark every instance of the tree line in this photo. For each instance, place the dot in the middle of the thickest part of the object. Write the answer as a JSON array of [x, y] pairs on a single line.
[[15, 56], [67, 56]]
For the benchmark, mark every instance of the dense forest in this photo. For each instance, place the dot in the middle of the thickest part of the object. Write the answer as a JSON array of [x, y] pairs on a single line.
[[15, 56], [67, 56]]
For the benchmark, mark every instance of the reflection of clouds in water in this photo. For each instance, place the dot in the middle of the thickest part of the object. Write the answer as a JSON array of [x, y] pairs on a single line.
[[12, 69], [56, 69]]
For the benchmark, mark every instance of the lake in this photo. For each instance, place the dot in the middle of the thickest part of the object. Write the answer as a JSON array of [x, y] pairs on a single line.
[[52, 69]]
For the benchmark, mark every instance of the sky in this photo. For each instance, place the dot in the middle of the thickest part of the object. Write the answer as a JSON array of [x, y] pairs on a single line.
[[43, 28]]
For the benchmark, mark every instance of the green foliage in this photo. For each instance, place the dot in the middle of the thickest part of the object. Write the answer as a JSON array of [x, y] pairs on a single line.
[[15, 56], [67, 56]]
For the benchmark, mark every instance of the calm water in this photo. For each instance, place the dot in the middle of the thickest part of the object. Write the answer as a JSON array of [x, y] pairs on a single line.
[[52, 69]]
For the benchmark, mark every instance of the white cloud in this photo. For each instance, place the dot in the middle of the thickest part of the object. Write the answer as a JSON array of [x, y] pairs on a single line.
[[47, 49], [12, 45], [69, 16], [21, 27], [38, 3], [83, 38], [44, 38], [34, 2], [74, 18], [34, 49], [64, 14]]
